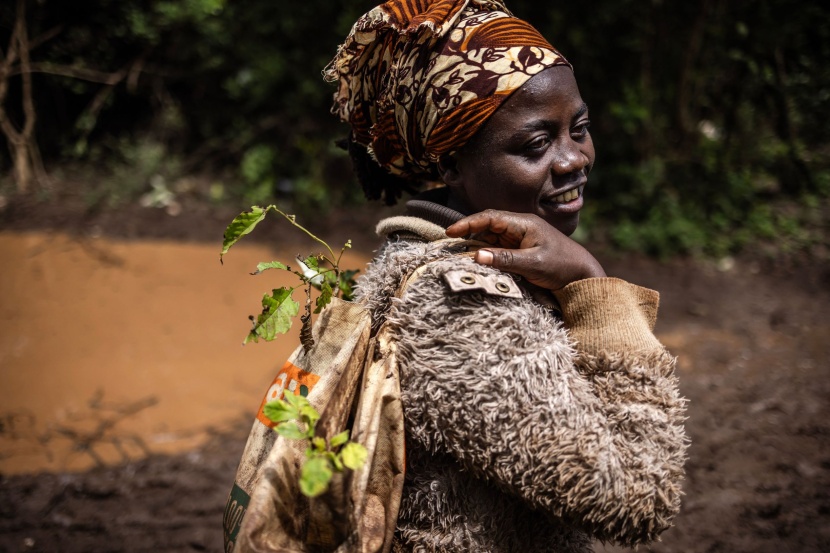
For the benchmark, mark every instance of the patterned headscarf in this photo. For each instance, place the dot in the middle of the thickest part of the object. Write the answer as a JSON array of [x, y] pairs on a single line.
[[418, 78]]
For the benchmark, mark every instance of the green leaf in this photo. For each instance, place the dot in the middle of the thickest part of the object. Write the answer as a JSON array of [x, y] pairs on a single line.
[[297, 401], [339, 439], [265, 265], [353, 455], [291, 431], [277, 311], [280, 411], [312, 262], [319, 443], [242, 225], [324, 298], [309, 414], [335, 462], [347, 283], [315, 476]]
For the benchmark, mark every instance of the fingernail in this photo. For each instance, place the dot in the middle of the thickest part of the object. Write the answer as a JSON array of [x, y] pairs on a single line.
[[484, 257]]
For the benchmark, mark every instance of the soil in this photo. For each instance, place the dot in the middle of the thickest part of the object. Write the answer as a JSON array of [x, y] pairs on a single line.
[[125, 399]]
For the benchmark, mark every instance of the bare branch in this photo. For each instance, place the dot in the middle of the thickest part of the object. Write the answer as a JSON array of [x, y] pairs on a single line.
[[22, 143], [81, 73], [11, 54], [12, 135], [45, 37], [5, 65], [95, 106], [136, 68], [28, 101]]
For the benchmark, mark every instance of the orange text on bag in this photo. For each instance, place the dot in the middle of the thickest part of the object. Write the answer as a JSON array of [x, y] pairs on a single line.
[[292, 379]]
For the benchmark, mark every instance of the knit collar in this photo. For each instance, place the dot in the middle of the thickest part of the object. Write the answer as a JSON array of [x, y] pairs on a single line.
[[435, 206]]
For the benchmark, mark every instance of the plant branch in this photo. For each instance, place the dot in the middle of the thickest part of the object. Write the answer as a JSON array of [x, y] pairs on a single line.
[[293, 220]]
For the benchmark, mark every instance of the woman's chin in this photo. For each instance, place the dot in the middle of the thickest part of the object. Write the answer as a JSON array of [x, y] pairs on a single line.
[[566, 224]]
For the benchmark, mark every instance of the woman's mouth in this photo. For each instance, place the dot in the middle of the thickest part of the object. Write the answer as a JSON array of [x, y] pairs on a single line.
[[569, 201], [568, 196]]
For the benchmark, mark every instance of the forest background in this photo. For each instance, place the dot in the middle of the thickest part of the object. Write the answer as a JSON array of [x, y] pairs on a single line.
[[710, 117]]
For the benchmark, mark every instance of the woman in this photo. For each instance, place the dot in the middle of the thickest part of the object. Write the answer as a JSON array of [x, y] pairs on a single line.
[[541, 412]]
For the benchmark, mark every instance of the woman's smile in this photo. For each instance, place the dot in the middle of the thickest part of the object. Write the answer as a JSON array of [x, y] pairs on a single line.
[[569, 201], [532, 156]]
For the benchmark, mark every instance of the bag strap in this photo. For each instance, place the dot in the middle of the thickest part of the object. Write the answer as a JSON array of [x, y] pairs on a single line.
[[472, 246]]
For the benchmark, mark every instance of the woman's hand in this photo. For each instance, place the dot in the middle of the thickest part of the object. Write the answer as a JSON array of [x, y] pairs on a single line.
[[528, 246]]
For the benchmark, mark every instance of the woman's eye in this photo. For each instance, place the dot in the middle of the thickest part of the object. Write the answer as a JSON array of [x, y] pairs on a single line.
[[537, 144], [580, 130]]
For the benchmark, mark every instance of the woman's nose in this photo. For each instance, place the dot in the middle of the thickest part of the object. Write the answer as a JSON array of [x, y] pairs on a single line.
[[569, 159]]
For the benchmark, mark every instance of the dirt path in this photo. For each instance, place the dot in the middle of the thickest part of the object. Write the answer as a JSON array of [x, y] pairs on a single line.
[[156, 327], [112, 350]]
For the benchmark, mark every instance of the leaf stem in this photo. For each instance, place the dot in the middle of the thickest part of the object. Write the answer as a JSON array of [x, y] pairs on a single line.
[[293, 220]]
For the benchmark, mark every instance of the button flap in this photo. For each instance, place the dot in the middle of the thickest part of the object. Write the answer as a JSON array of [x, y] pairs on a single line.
[[494, 285]]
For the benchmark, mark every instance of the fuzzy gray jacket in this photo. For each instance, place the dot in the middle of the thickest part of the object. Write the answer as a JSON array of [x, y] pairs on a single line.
[[527, 430]]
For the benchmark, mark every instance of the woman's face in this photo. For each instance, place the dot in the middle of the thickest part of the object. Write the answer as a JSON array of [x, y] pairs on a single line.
[[532, 156]]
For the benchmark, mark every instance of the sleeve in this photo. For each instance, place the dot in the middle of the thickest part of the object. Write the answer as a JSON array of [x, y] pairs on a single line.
[[593, 435]]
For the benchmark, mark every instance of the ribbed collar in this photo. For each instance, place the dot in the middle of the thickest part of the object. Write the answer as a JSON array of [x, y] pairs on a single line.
[[433, 206]]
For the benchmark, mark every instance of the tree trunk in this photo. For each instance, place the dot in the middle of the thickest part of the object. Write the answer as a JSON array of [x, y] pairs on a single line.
[[22, 142], [22, 168]]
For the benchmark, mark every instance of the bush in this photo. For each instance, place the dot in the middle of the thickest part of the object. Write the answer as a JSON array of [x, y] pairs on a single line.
[[709, 118]]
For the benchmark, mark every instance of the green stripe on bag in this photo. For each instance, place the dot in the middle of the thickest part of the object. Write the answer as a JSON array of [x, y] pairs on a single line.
[[234, 511]]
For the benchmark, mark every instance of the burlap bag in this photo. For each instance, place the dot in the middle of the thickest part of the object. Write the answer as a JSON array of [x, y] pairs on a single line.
[[352, 379], [265, 509]]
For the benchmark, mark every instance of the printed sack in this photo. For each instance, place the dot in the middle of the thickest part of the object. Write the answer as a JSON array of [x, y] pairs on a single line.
[[352, 380]]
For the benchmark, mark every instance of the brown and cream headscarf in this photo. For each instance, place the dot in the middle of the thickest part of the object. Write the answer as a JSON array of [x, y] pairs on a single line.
[[418, 78]]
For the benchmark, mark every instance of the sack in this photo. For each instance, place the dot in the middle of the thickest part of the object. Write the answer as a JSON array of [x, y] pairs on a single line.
[[266, 510]]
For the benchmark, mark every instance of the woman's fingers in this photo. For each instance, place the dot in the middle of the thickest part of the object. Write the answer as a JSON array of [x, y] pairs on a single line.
[[549, 266], [526, 245], [522, 262], [497, 227]]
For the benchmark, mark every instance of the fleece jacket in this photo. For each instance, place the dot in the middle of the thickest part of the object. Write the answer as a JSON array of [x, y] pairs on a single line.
[[528, 428]]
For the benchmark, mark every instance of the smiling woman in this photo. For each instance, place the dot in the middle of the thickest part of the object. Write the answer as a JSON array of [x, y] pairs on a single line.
[[540, 410], [532, 156]]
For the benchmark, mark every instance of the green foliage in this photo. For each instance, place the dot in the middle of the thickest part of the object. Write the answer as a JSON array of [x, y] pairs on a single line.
[[315, 476], [354, 455], [265, 265], [241, 225], [279, 308], [709, 119], [295, 417], [277, 311], [701, 111], [322, 460], [324, 298], [127, 170]]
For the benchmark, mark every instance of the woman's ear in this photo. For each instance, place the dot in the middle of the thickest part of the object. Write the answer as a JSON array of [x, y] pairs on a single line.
[[448, 170]]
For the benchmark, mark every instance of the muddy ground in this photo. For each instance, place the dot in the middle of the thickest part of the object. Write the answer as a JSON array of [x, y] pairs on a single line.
[[752, 336]]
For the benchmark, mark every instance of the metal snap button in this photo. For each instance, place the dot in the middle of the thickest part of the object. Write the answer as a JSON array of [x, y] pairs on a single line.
[[502, 287], [468, 279]]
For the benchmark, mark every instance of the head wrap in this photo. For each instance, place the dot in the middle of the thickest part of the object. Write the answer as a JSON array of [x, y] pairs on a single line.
[[418, 78]]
